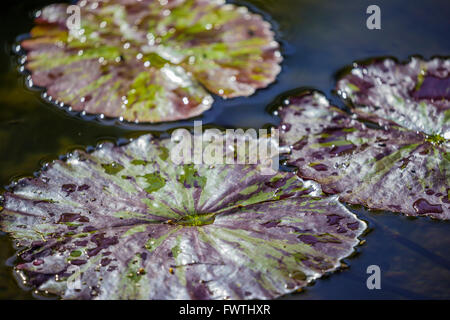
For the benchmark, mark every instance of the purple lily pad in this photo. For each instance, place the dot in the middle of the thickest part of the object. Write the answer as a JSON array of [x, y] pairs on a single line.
[[150, 61], [415, 95], [388, 168], [125, 222]]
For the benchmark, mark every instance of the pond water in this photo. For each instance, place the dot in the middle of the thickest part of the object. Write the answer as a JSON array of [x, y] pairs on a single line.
[[319, 38]]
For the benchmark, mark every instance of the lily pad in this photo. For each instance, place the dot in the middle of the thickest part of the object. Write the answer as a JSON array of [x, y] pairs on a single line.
[[387, 168], [415, 95], [125, 222], [150, 60]]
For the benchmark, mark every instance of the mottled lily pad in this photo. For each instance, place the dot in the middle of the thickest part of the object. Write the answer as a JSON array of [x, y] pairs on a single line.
[[150, 60], [125, 222], [415, 95], [388, 168]]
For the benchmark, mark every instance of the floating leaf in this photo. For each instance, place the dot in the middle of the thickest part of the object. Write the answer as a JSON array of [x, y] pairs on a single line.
[[389, 168], [156, 230], [415, 95], [150, 61]]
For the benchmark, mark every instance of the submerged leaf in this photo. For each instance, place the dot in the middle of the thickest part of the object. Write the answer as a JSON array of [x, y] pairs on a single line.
[[415, 95], [150, 61], [390, 168], [155, 230]]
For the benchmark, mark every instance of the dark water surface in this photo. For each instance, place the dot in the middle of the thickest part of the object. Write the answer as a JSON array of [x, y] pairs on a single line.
[[319, 38]]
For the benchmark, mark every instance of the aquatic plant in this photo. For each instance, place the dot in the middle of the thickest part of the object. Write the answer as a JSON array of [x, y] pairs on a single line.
[[381, 163], [125, 222], [150, 60]]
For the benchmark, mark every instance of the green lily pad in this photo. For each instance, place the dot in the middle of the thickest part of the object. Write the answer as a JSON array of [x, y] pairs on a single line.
[[388, 168], [150, 60], [156, 230], [414, 95]]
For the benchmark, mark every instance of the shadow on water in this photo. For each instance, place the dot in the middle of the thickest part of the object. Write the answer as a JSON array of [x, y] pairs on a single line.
[[319, 38]]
